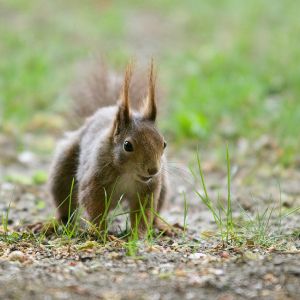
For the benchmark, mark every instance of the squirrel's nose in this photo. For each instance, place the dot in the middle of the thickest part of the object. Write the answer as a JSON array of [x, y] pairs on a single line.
[[152, 171]]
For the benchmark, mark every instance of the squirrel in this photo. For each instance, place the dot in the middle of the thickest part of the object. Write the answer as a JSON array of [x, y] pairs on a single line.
[[118, 153]]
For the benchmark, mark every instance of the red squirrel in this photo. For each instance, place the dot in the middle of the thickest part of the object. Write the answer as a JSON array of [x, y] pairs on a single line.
[[117, 152]]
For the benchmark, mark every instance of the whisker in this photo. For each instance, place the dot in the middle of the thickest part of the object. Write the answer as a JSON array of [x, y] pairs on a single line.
[[172, 174], [185, 171]]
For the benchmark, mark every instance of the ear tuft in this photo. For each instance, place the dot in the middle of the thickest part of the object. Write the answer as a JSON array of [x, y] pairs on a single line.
[[123, 113], [125, 92], [150, 109]]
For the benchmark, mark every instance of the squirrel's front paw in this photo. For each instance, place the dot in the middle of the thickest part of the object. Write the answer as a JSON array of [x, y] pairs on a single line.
[[142, 233], [167, 229], [46, 228]]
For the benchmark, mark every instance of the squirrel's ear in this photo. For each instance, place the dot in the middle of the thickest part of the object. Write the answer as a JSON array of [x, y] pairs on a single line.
[[123, 113], [150, 109]]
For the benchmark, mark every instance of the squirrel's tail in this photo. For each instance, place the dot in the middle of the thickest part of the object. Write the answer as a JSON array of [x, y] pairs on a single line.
[[98, 86]]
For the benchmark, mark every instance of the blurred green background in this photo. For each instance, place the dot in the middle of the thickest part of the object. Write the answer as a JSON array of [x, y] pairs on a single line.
[[230, 68]]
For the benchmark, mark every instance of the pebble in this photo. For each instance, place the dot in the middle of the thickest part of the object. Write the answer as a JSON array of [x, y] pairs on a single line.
[[224, 254], [197, 255], [17, 256], [26, 157]]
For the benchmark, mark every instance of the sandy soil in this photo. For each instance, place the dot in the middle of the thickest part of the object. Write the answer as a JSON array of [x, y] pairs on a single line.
[[186, 267]]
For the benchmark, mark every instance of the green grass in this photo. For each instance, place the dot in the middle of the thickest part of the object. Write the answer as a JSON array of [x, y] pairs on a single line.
[[4, 222], [261, 229], [222, 214], [185, 213], [230, 66], [78, 229]]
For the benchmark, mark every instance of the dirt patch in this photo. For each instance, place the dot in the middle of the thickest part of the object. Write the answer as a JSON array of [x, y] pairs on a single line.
[[194, 266]]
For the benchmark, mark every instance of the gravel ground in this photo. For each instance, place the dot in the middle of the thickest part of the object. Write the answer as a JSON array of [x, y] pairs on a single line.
[[186, 267]]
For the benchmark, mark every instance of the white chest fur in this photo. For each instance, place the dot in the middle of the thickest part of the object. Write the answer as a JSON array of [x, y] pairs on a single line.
[[126, 187]]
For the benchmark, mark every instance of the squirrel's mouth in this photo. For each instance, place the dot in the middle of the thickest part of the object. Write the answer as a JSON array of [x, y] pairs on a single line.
[[144, 178]]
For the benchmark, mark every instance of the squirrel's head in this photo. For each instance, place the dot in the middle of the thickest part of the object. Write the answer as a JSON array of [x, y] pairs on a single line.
[[138, 146]]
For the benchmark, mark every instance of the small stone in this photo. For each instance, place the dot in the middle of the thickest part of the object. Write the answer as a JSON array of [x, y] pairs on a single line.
[[270, 278], [181, 189], [226, 297], [224, 254], [180, 273], [7, 186], [26, 157], [218, 272], [197, 255], [17, 256]]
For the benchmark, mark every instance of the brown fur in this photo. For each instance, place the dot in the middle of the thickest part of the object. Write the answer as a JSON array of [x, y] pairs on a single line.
[[95, 157]]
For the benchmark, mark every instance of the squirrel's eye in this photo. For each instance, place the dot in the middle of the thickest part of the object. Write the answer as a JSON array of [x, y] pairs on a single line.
[[128, 146], [165, 145]]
